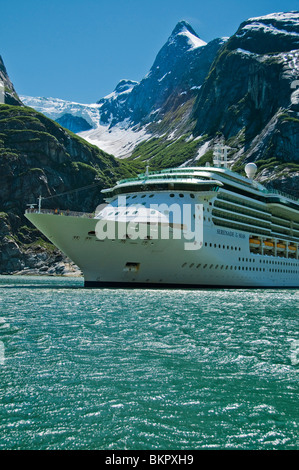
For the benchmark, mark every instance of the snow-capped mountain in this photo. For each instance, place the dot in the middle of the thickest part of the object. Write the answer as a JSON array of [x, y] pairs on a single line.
[[179, 68], [243, 89], [55, 108], [252, 84], [277, 32], [123, 118]]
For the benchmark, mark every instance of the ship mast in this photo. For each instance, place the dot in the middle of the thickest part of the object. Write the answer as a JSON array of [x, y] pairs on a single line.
[[220, 156]]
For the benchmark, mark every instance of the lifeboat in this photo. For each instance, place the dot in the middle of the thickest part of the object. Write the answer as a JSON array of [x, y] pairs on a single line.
[[268, 245], [280, 247], [254, 242]]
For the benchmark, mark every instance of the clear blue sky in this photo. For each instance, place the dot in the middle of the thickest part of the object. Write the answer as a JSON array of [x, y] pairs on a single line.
[[80, 49]]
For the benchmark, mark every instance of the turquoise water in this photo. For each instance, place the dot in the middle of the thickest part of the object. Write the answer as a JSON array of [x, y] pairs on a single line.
[[141, 369]]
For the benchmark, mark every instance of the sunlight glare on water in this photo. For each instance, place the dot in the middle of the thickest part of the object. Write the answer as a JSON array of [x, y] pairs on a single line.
[[146, 369]]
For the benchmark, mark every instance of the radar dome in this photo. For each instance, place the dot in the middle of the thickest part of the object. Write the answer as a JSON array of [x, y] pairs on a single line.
[[250, 170]]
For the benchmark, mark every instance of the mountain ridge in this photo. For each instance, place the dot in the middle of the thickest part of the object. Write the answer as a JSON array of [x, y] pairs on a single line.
[[235, 90], [173, 81]]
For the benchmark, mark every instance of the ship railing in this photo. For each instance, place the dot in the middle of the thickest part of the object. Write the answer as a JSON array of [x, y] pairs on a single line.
[[173, 175], [280, 193], [158, 176], [61, 212]]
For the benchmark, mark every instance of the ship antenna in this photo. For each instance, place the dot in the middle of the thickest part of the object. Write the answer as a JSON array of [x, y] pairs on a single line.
[[39, 203], [216, 156], [224, 156], [146, 171], [220, 156]]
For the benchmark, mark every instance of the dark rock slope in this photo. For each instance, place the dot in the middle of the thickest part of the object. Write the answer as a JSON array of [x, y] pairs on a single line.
[[39, 157], [178, 70], [250, 98], [11, 96]]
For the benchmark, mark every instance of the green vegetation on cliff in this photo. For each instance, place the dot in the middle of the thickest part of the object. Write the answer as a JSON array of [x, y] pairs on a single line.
[[39, 157]]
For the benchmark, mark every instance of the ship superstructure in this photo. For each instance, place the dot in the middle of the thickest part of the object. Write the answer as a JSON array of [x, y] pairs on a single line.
[[146, 234]]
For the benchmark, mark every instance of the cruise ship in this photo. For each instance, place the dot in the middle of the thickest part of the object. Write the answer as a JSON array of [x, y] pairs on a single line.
[[182, 227]]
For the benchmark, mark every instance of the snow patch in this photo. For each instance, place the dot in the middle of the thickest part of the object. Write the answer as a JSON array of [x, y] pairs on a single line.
[[292, 16], [160, 79], [54, 108], [194, 41], [256, 26], [119, 140], [202, 150]]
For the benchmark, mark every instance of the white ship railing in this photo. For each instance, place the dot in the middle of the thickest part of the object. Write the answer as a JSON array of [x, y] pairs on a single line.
[[192, 173], [60, 212]]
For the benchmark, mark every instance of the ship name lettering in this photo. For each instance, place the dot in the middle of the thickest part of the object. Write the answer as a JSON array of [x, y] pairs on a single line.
[[225, 232]]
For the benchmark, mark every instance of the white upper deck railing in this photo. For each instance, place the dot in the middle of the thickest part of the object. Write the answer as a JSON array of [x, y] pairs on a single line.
[[60, 212]]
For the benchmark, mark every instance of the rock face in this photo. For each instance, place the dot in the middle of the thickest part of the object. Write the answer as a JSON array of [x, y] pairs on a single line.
[[179, 69], [39, 157], [10, 95], [19, 254], [74, 123], [250, 93]]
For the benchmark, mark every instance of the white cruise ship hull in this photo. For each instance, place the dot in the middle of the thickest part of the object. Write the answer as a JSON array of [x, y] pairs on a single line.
[[224, 260]]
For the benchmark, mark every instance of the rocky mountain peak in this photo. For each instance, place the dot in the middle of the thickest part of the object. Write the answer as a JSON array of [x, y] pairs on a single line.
[[185, 35], [125, 86], [277, 32], [181, 27]]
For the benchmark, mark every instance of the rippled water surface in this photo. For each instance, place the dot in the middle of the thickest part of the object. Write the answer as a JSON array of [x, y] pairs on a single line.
[[146, 369]]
